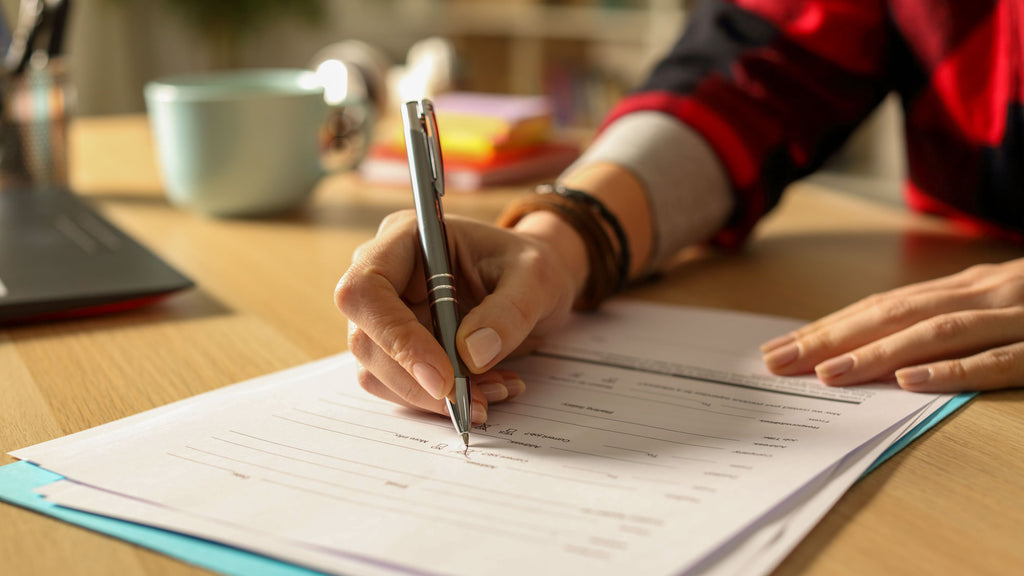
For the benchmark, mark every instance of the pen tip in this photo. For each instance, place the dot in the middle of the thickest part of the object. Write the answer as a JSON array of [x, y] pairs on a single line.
[[465, 438]]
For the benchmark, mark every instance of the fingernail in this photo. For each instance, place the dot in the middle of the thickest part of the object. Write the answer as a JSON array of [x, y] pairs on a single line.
[[478, 413], [782, 357], [429, 379], [909, 377], [494, 391], [483, 345], [777, 343], [835, 367], [515, 387]]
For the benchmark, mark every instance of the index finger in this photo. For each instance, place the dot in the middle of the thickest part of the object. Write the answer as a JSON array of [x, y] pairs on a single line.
[[369, 295], [874, 301]]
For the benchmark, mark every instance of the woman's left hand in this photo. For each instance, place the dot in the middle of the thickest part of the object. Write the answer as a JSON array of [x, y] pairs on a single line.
[[957, 333]]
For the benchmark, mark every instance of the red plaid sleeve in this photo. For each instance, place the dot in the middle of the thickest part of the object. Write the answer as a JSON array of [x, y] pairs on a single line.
[[774, 86]]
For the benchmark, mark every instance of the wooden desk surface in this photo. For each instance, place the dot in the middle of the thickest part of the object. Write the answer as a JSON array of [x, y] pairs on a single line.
[[951, 503]]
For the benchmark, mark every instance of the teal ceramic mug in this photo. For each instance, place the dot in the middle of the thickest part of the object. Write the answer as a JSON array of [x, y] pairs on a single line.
[[238, 143]]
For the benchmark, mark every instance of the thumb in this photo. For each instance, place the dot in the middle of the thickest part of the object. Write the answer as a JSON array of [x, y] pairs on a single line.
[[505, 318]]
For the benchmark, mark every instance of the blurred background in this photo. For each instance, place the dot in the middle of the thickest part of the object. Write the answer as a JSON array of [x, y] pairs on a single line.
[[583, 54]]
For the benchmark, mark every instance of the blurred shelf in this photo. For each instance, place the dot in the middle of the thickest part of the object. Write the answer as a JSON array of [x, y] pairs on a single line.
[[594, 23], [583, 53]]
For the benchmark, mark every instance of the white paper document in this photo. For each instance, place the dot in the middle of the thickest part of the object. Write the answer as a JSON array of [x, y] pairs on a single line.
[[650, 440]]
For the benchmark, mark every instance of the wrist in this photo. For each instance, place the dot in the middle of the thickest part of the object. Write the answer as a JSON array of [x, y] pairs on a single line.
[[607, 254], [563, 240], [623, 195], [591, 239]]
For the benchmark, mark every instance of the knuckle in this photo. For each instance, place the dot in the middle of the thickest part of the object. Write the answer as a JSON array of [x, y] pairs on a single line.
[[809, 330], [1009, 291], [396, 339], [956, 370], [355, 288], [520, 315], [407, 389], [875, 353], [819, 340], [360, 344], [343, 292], [980, 271], [350, 290], [824, 337], [949, 326], [874, 300], [1002, 361], [362, 252], [395, 219], [892, 310]]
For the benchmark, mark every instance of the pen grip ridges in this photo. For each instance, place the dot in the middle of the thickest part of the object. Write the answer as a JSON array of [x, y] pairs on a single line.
[[441, 289]]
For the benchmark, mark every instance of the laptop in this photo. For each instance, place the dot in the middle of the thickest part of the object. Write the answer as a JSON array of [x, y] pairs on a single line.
[[59, 258]]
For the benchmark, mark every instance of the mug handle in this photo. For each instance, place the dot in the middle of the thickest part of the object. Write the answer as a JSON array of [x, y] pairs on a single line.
[[345, 136]]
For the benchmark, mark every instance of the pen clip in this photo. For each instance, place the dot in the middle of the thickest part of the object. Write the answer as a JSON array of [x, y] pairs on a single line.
[[429, 122]]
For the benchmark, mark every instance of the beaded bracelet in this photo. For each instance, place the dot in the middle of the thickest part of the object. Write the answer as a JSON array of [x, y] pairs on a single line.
[[608, 255]]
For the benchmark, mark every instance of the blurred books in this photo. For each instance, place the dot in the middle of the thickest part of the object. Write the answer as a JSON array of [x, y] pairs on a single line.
[[486, 140]]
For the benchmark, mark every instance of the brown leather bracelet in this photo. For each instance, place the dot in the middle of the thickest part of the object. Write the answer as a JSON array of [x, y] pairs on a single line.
[[622, 241], [604, 258]]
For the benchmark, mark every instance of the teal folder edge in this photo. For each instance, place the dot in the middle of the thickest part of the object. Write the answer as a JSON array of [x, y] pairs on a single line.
[[18, 480], [948, 408]]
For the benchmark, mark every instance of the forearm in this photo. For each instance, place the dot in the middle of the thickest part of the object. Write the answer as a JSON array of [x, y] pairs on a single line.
[[621, 193], [661, 180]]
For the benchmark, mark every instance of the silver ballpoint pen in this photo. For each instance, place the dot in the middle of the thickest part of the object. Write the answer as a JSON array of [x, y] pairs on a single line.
[[426, 171]]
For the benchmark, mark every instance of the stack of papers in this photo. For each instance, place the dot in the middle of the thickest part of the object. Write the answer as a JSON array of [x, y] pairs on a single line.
[[650, 440], [486, 139]]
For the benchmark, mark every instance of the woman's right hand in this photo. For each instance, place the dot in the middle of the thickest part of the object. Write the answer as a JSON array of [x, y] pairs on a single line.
[[512, 285]]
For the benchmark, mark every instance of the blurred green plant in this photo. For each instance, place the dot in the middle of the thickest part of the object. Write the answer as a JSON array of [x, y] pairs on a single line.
[[224, 24]]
